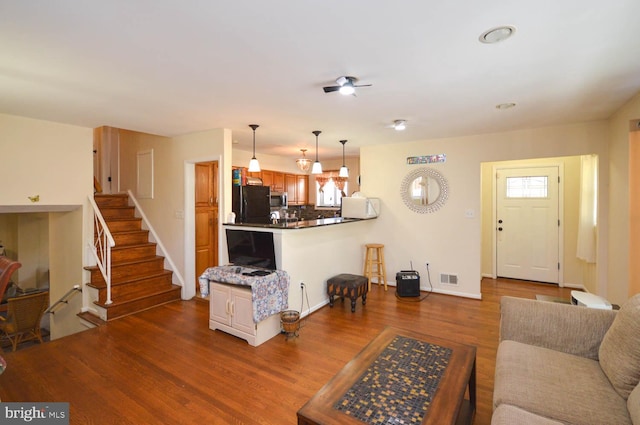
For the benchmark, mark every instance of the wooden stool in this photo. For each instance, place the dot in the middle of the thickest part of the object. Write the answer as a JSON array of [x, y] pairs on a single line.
[[347, 285], [375, 256]]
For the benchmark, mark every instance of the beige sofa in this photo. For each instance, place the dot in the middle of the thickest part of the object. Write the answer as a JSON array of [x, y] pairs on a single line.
[[563, 364]]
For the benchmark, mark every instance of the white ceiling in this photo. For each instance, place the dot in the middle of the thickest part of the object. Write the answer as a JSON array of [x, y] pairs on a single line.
[[172, 67]]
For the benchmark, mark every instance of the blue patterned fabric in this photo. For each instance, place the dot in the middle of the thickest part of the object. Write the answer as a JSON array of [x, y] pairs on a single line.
[[269, 294]]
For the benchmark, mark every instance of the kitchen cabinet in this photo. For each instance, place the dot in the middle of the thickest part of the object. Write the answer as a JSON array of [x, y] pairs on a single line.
[[291, 188], [296, 186], [231, 311], [302, 189], [278, 182], [267, 178]]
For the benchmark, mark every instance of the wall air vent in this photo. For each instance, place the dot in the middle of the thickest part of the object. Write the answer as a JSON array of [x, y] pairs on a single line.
[[449, 279]]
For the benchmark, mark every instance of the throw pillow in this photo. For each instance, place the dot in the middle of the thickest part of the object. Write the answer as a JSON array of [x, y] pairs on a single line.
[[620, 349]]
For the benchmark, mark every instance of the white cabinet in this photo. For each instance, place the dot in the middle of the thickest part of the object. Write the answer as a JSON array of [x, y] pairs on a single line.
[[231, 311]]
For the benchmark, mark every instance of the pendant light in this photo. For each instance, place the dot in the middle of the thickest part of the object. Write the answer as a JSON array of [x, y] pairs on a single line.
[[317, 167], [344, 171], [303, 163], [254, 165]]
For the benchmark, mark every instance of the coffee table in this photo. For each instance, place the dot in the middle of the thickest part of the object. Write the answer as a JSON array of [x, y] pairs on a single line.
[[406, 368]]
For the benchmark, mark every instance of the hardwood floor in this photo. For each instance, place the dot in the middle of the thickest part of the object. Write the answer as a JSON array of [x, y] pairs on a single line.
[[165, 366]]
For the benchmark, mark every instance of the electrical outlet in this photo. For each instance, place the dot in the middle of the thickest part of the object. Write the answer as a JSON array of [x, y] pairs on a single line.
[[301, 285]]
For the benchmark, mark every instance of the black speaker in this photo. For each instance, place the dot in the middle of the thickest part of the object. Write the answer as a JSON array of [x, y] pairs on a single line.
[[408, 283]]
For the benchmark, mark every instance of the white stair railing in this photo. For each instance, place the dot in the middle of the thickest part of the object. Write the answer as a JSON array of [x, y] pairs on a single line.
[[101, 247]]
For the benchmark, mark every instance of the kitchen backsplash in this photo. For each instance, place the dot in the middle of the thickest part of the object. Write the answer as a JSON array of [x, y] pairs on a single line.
[[308, 212]]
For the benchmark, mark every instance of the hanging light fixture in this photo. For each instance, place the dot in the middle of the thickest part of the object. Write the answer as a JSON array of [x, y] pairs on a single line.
[[344, 171], [254, 165], [303, 163], [317, 167]]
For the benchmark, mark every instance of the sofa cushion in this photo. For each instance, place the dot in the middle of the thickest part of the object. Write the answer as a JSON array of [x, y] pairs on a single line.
[[620, 349], [633, 404], [560, 386], [506, 414]]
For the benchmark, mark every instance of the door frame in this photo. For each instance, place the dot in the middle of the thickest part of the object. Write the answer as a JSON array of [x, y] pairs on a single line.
[[494, 212]]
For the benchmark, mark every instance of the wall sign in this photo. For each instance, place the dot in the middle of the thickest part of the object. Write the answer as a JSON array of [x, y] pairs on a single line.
[[426, 159]]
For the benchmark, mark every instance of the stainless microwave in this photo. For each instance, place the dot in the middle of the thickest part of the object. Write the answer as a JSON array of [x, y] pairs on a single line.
[[279, 200]]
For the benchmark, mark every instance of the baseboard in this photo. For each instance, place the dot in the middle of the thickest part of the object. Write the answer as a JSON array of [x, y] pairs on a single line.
[[575, 286]]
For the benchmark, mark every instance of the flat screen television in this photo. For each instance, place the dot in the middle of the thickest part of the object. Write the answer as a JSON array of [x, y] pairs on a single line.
[[251, 248]]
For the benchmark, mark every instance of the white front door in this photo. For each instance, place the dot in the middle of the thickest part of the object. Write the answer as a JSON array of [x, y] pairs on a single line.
[[527, 227]]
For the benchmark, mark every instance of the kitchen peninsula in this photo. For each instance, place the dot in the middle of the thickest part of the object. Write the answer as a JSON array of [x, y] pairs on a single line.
[[312, 251]]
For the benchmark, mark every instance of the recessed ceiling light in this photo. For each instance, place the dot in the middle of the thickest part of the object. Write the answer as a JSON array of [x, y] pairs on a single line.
[[504, 106], [497, 34]]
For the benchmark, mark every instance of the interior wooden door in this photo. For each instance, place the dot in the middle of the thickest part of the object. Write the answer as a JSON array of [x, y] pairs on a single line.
[[206, 220]]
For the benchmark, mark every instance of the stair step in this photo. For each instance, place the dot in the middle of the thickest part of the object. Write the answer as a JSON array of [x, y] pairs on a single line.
[[129, 253], [124, 224], [117, 200], [128, 270], [91, 318], [109, 213], [135, 288], [133, 237], [124, 308]]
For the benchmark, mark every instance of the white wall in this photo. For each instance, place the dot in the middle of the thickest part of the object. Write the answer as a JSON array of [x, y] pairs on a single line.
[[55, 162], [448, 240]]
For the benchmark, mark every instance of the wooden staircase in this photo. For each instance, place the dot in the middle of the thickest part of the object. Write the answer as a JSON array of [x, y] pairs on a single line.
[[138, 278]]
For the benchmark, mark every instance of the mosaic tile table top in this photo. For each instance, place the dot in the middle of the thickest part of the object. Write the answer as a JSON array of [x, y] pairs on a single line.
[[399, 385], [400, 377]]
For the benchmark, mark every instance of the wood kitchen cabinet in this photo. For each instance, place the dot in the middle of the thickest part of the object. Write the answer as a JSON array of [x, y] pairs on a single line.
[[297, 188], [278, 184], [291, 188], [267, 178], [302, 189], [231, 311]]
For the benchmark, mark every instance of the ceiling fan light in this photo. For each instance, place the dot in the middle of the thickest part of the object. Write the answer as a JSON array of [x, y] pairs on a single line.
[[317, 168], [347, 89], [400, 125], [254, 166]]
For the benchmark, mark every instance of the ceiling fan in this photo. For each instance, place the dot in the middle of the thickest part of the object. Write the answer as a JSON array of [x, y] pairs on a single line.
[[346, 86]]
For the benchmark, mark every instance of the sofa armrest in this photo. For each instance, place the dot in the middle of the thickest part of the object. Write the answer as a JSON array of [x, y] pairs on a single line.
[[561, 327]]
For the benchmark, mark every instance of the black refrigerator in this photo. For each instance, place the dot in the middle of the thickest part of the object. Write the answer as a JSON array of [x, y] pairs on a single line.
[[251, 204]]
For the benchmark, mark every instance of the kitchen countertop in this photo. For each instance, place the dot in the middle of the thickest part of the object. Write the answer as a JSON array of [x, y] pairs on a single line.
[[304, 224]]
